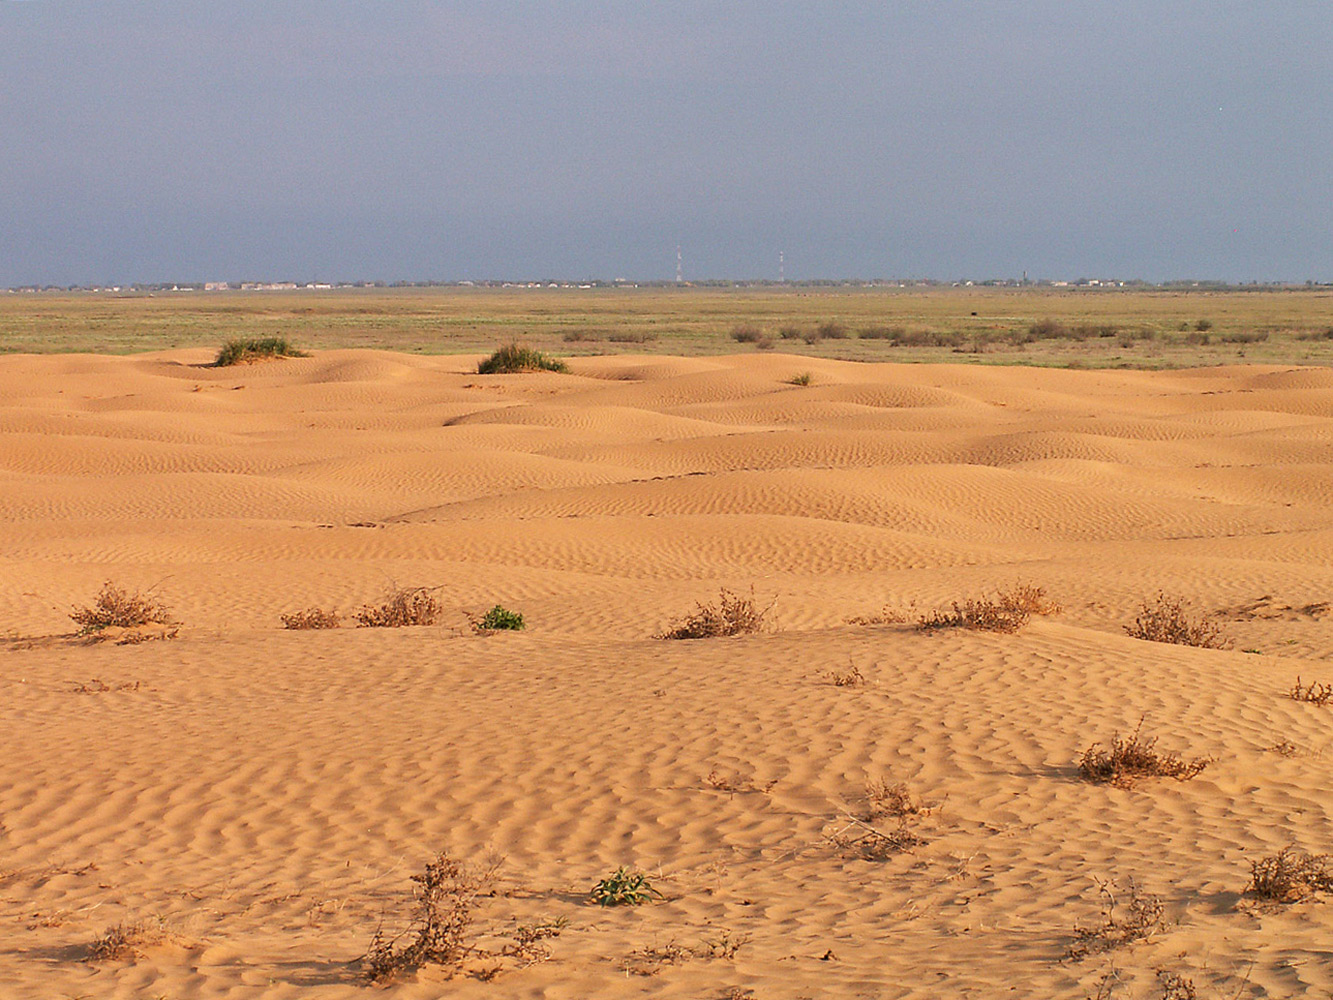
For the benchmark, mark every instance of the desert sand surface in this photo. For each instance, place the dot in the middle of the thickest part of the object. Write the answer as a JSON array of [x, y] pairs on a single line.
[[268, 793]]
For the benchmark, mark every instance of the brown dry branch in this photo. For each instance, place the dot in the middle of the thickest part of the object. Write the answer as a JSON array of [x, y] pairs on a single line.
[[859, 839], [407, 606], [1127, 760], [1166, 619], [731, 615], [116, 607], [440, 930], [1315, 693], [1007, 612], [131, 939], [1144, 915], [848, 679], [1290, 875], [311, 618]]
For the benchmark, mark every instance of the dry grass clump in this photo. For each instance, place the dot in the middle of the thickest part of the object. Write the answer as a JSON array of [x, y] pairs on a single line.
[[1007, 612], [896, 800], [859, 839], [1127, 760], [1166, 619], [439, 934], [116, 607], [312, 618], [731, 615], [409, 606], [1142, 915], [513, 358], [247, 351], [746, 333], [1290, 875], [1316, 693], [131, 939]]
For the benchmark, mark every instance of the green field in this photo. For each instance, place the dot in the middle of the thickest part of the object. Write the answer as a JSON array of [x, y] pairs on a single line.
[[1053, 327]]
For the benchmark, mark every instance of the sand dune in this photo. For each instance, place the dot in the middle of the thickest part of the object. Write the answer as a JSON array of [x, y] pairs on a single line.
[[270, 792]]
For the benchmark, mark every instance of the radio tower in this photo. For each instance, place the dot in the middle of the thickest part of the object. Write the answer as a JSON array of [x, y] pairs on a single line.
[[679, 275], [782, 267]]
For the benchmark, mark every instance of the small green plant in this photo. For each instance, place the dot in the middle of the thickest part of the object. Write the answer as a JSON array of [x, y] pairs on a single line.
[[1127, 760], [311, 618], [801, 379], [247, 351], [116, 607], [624, 887], [514, 358], [498, 619]]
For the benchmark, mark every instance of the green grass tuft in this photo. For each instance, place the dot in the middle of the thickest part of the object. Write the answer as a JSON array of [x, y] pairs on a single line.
[[516, 358], [241, 352]]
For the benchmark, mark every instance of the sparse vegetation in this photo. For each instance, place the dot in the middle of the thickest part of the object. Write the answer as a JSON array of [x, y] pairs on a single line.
[[1176, 987], [498, 619], [410, 606], [1142, 916], [850, 678], [1125, 761], [801, 379], [513, 358], [1290, 875], [311, 618], [731, 615], [117, 607], [1166, 619], [623, 887], [1008, 611], [896, 800], [1315, 693], [131, 939], [440, 925], [248, 351], [746, 333], [527, 942], [859, 839]]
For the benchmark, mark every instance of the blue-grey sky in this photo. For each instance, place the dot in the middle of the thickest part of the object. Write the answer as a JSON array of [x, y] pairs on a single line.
[[390, 139]]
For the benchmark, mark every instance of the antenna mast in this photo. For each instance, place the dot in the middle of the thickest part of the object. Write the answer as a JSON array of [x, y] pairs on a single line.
[[679, 277], [782, 267]]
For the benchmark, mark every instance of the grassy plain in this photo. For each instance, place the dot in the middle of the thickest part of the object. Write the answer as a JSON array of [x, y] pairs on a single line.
[[1101, 328]]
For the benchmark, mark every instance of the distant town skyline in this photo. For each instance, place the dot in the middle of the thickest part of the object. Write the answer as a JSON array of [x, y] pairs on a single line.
[[346, 140]]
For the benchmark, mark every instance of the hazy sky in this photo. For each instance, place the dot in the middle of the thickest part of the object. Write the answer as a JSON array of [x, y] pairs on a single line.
[[409, 139]]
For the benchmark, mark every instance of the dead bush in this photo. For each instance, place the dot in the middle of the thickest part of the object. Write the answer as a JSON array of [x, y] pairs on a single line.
[[116, 607], [731, 615], [527, 943], [410, 606], [859, 839], [1166, 619], [1176, 986], [131, 939], [1007, 611], [896, 800], [440, 930], [1290, 875], [887, 615], [1127, 760], [1315, 692], [1142, 915], [312, 618], [850, 678]]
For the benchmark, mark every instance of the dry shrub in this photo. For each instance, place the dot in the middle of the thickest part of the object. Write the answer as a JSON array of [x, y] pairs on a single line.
[[1137, 756], [408, 606], [848, 679], [633, 337], [1176, 986], [1166, 619], [1291, 875], [118, 608], [1143, 915], [732, 784], [131, 939], [887, 615], [1315, 693], [861, 840], [746, 333], [1007, 612], [312, 618], [731, 615], [896, 800], [446, 895], [527, 945]]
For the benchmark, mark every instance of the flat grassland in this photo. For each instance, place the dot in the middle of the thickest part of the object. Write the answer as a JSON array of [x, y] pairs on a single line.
[[841, 804], [1047, 327]]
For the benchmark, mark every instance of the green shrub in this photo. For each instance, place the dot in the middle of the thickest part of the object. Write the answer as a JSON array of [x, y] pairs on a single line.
[[499, 619], [623, 888], [514, 358], [243, 351]]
